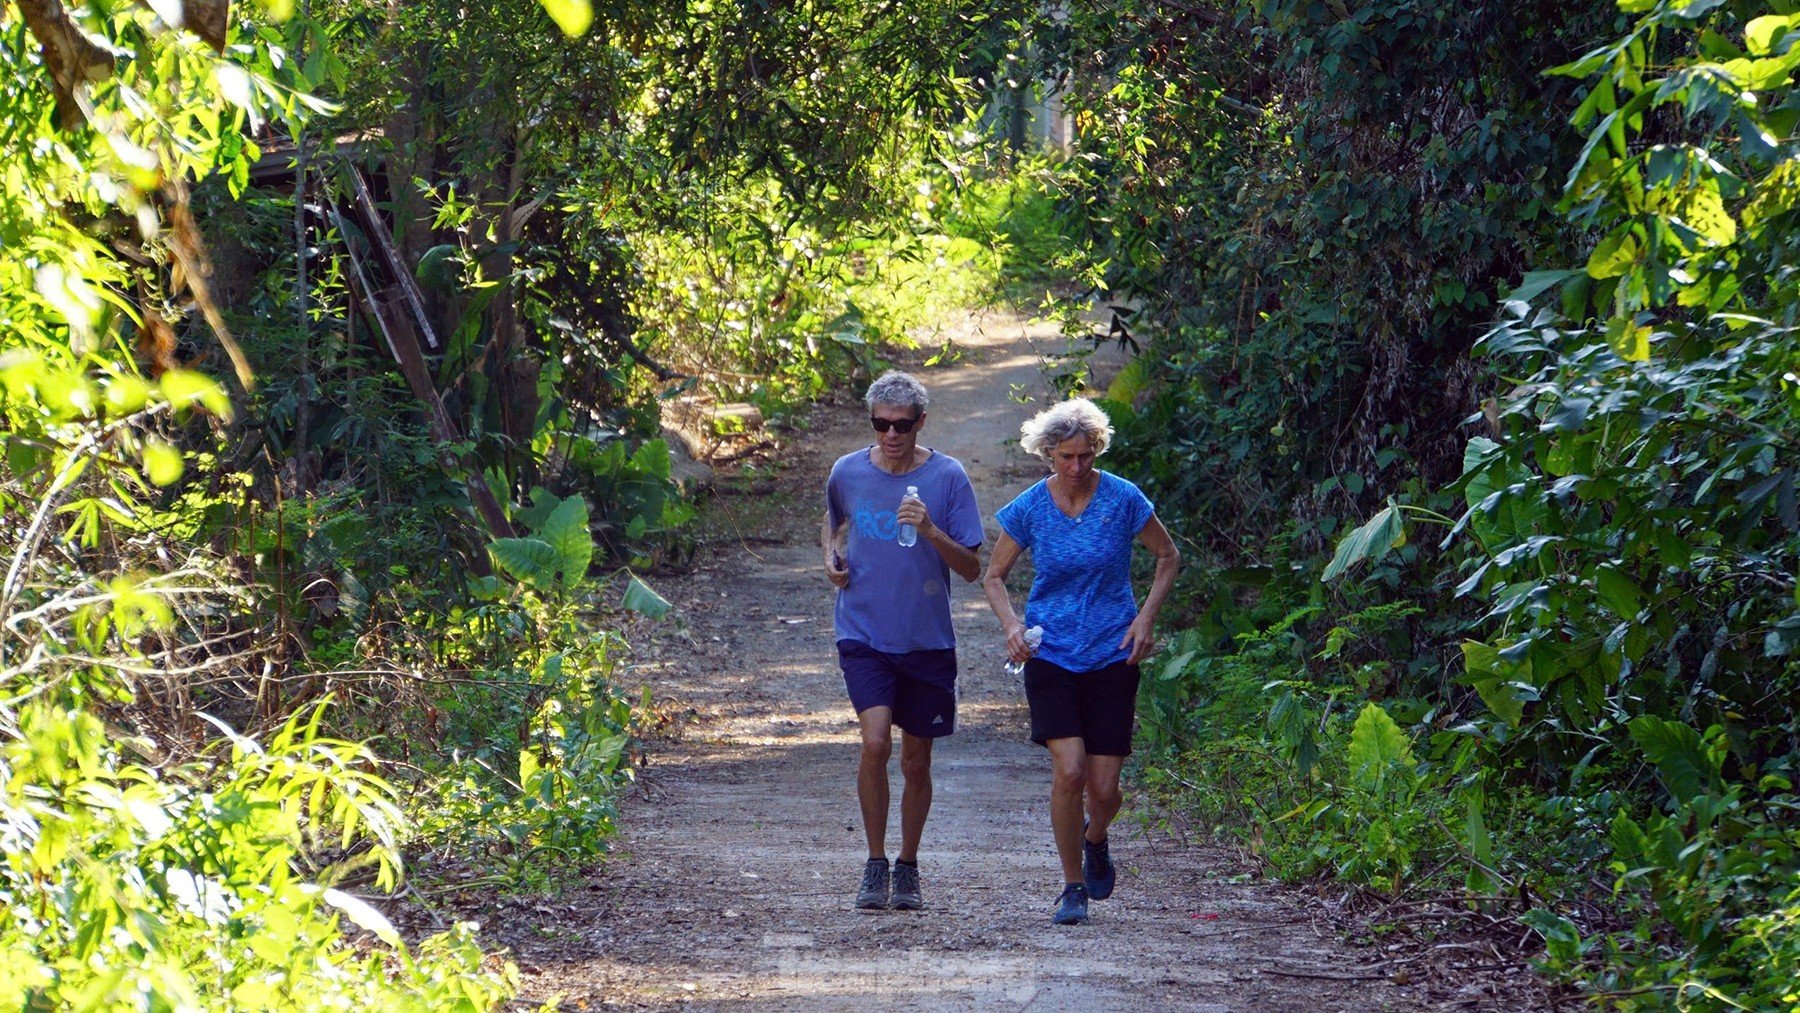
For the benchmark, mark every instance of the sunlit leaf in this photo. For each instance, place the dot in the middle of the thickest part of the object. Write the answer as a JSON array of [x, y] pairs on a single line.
[[1629, 339], [364, 915], [531, 560], [1614, 255], [572, 16], [162, 463], [1379, 750], [639, 597], [184, 387], [1761, 34]]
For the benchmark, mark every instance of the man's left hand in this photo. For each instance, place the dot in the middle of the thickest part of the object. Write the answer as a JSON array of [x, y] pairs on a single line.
[[913, 512]]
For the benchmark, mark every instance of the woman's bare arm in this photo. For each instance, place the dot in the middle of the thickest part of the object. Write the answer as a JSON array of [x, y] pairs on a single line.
[[1000, 564], [1140, 638]]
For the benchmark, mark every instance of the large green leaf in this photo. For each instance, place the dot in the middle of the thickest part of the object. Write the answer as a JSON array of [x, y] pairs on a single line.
[[566, 531], [1562, 940], [1687, 764], [639, 597], [531, 560], [574, 17], [1493, 678], [1618, 592], [1379, 750], [1535, 282], [653, 459], [1761, 34], [1383, 533], [537, 511]]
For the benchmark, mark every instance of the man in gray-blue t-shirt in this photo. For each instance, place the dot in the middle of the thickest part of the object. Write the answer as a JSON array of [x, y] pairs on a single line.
[[898, 519]]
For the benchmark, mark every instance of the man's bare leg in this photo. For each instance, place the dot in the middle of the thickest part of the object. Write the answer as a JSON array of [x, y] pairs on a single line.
[[915, 795], [872, 776]]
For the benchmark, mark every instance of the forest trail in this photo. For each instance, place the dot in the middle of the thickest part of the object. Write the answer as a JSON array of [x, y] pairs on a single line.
[[740, 848]]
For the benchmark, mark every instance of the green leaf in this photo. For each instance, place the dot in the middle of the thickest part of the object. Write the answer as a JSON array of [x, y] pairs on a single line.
[[574, 17], [1382, 533], [126, 394], [137, 610], [1615, 255], [1686, 764], [184, 387], [1693, 9], [1536, 282], [1761, 34], [1378, 748], [1630, 340], [1618, 592], [1562, 940], [1476, 452], [1481, 843], [1629, 842], [365, 916], [653, 459], [543, 504], [1492, 677], [162, 462], [531, 560], [566, 531], [1130, 381], [639, 597]]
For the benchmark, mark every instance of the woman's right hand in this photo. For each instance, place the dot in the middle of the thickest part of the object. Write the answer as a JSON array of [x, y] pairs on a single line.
[[837, 570], [1016, 647]]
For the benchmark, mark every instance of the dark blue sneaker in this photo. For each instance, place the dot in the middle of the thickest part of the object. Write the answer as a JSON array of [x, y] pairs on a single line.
[[1097, 871], [906, 887], [873, 894], [1071, 907]]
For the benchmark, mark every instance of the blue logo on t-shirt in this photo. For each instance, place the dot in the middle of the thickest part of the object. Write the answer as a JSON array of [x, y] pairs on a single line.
[[881, 524]]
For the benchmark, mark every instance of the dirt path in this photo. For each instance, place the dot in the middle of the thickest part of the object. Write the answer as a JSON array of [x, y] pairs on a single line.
[[738, 856]]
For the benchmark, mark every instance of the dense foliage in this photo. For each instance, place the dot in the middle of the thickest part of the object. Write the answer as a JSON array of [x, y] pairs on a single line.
[[1557, 663], [213, 592]]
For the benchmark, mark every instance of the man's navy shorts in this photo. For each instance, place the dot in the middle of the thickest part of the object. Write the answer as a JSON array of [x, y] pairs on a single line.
[[1096, 707], [920, 686]]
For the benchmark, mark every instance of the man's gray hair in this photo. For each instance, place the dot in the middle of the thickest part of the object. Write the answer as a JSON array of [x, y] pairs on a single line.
[[898, 390], [1075, 417]]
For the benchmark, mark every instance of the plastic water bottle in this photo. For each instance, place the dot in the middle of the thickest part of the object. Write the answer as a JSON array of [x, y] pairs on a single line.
[[1033, 638], [909, 533]]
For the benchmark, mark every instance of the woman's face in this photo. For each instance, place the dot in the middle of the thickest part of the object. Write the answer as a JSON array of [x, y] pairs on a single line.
[[1073, 459]]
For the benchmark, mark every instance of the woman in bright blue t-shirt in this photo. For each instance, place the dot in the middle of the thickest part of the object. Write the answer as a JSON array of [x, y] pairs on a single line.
[[1080, 524]]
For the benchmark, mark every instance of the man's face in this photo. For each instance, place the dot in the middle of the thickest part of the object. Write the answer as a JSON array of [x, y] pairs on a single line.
[[896, 446]]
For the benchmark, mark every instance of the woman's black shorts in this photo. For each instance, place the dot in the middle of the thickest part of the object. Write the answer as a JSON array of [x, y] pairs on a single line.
[[1097, 707]]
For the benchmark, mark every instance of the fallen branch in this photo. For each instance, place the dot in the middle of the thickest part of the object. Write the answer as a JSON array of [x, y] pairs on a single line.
[[1323, 976]]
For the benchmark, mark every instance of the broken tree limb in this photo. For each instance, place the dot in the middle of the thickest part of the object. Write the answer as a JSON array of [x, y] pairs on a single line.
[[73, 59], [403, 345]]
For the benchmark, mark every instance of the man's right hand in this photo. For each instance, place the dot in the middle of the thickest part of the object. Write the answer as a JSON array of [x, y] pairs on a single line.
[[837, 571]]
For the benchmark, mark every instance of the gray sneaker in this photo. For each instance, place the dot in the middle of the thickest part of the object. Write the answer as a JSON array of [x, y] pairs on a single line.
[[906, 888], [874, 892]]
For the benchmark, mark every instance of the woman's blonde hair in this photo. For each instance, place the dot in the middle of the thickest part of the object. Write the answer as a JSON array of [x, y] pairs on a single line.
[[1075, 417]]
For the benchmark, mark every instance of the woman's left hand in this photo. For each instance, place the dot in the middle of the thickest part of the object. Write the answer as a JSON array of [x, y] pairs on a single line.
[[1140, 640]]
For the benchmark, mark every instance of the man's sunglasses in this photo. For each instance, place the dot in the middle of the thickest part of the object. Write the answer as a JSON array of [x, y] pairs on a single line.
[[898, 425]]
